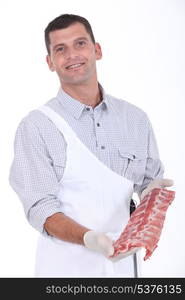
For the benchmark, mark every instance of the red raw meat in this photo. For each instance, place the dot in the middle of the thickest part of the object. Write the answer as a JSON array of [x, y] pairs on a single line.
[[145, 224]]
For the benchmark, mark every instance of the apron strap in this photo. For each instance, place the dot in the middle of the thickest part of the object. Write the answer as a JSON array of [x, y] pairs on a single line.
[[57, 120]]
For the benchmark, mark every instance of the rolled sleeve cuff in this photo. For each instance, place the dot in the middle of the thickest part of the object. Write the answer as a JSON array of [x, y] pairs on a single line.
[[37, 216], [154, 170]]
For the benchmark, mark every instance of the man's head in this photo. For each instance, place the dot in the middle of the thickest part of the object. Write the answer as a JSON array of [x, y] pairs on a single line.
[[72, 50], [65, 21]]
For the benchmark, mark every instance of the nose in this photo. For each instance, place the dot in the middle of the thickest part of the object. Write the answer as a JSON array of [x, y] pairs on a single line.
[[71, 53]]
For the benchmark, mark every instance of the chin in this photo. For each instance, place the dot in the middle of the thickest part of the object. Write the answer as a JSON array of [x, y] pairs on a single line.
[[76, 81]]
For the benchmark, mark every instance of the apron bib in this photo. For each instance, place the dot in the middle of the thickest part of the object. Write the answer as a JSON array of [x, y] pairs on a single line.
[[94, 196]]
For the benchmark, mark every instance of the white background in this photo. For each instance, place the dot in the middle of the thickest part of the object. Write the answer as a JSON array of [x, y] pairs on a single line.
[[143, 44]]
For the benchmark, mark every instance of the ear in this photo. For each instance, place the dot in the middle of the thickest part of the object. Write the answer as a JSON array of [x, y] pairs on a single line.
[[50, 63], [98, 51]]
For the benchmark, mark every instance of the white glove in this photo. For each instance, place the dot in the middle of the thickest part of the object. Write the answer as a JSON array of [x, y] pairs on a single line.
[[99, 242], [156, 183]]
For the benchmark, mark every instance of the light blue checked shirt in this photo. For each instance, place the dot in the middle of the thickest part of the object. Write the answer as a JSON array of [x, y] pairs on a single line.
[[117, 132]]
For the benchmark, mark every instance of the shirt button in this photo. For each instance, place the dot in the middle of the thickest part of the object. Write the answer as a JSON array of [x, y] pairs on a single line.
[[87, 108], [98, 124], [102, 147]]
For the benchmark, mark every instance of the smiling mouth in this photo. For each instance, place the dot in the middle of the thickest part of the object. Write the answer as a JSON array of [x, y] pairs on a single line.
[[75, 66]]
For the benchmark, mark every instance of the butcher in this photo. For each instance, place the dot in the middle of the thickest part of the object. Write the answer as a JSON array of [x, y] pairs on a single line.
[[78, 159]]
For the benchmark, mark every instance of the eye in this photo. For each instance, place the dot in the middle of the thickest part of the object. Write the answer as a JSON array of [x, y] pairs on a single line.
[[81, 43], [60, 49]]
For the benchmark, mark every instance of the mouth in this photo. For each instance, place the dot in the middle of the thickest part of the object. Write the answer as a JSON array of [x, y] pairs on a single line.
[[75, 66]]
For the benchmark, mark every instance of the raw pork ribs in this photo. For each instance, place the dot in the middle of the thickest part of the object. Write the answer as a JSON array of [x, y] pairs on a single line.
[[145, 224]]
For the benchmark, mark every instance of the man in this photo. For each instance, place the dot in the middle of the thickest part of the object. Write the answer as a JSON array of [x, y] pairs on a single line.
[[78, 160]]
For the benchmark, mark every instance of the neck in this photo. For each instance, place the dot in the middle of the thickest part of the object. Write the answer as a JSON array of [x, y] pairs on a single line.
[[88, 94]]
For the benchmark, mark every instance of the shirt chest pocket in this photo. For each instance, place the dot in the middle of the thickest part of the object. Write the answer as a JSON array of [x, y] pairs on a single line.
[[132, 165]]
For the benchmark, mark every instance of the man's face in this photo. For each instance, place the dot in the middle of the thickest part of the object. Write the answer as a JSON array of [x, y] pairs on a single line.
[[73, 55]]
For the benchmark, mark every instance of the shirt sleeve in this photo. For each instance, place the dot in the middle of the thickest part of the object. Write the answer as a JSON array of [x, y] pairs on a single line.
[[154, 166], [32, 175]]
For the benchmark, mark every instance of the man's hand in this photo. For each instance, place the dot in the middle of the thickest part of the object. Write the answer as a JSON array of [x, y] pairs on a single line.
[[99, 242], [156, 183]]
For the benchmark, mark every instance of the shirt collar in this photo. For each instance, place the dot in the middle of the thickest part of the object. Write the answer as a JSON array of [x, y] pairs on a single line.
[[75, 107]]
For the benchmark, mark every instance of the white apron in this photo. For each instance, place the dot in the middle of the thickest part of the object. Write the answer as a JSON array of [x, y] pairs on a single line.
[[94, 196]]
